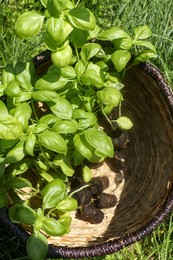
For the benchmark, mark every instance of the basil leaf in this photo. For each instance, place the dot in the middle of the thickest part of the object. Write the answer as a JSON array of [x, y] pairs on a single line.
[[25, 75], [44, 95], [53, 193], [16, 154], [30, 143], [109, 96], [87, 174], [123, 43], [8, 74], [102, 144], [67, 204], [55, 7], [144, 55], [3, 109], [149, 45], [79, 37], [82, 146], [37, 246], [142, 32], [124, 123], [68, 72], [61, 161], [93, 75], [58, 30], [28, 24], [112, 34], [61, 107], [22, 214], [53, 227], [22, 113], [87, 121], [2, 168], [82, 18], [10, 128], [89, 50], [19, 182], [53, 142], [79, 68], [13, 89], [120, 58], [65, 126], [48, 119], [51, 81]]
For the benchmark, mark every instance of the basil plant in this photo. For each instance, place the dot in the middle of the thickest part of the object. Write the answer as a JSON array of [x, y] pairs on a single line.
[[50, 125]]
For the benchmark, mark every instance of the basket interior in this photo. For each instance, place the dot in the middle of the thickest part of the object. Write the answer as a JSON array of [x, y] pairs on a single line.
[[148, 171]]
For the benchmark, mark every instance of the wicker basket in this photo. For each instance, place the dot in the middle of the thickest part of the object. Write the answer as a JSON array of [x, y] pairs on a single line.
[[145, 194]]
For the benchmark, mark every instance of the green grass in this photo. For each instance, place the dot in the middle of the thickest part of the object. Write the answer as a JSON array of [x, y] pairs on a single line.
[[128, 14]]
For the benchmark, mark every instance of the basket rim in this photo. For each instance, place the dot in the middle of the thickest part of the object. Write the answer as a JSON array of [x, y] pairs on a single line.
[[115, 244]]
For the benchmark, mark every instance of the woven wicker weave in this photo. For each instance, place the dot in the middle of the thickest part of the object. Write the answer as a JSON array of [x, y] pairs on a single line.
[[145, 196]]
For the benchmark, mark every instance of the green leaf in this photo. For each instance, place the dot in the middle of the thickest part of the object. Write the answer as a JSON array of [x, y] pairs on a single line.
[[8, 74], [79, 68], [65, 127], [10, 127], [112, 34], [79, 37], [53, 227], [28, 24], [109, 96], [102, 144], [67, 204], [144, 55], [13, 89], [61, 58], [19, 167], [82, 146], [53, 142], [30, 144], [40, 128], [93, 75], [51, 81], [19, 182], [89, 50], [44, 95], [68, 72], [22, 113], [58, 30], [37, 246], [87, 174], [62, 108], [82, 18], [142, 32], [24, 96], [123, 43], [124, 123], [2, 168], [53, 193], [3, 197], [16, 154], [3, 109], [48, 119], [22, 214], [25, 75], [44, 3], [61, 161], [55, 7], [120, 58], [149, 45], [84, 119]]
